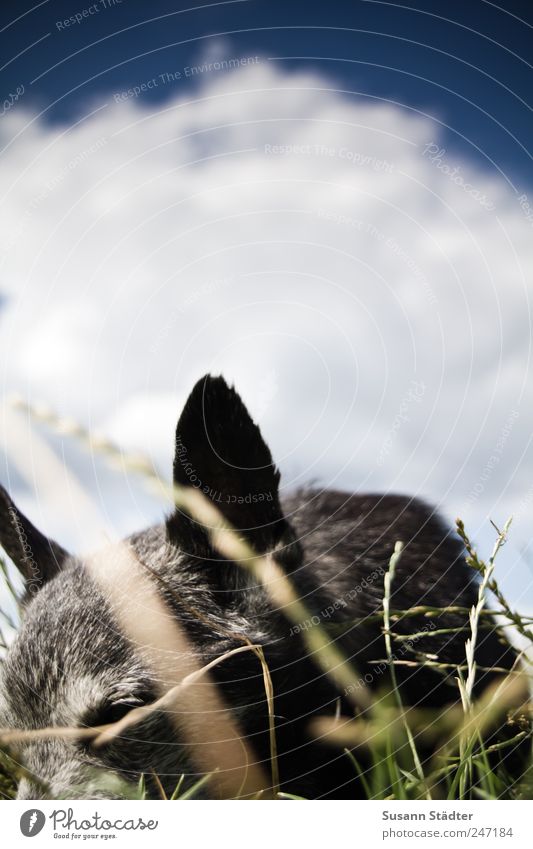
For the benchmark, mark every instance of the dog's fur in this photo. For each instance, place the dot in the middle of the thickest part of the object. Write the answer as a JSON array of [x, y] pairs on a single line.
[[71, 666]]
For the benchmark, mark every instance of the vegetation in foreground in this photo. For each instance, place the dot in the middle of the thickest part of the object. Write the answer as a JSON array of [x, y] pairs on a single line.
[[385, 748], [386, 743]]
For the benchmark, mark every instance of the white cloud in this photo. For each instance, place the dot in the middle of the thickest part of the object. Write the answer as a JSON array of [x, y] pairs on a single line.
[[144, 247]]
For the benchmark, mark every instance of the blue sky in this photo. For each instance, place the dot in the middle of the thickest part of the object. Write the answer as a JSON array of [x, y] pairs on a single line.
[[342, 225], [466, 64]]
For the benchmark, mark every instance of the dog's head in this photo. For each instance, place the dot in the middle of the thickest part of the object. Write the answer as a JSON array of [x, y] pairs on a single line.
[[73, 665]]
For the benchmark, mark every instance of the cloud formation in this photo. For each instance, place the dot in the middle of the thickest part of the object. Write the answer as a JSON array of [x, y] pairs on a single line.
[[365, 289]]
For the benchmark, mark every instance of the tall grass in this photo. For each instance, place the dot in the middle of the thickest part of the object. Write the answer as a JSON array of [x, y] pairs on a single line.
[[382, 738]]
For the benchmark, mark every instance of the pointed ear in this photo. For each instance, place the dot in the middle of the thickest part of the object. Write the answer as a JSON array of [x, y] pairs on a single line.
[[36, 557], [220, 450]]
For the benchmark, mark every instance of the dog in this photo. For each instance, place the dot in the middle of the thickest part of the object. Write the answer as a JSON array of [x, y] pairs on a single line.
[[72, 664]]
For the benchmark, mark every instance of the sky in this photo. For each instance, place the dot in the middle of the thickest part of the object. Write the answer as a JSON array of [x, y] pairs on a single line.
[[330, 204]]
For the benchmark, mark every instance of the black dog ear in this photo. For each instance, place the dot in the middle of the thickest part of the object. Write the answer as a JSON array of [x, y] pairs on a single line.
[[36, 557], [220, 451]]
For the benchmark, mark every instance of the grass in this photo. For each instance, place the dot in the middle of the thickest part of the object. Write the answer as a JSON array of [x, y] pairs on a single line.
[[383, 739], [463, 764], [8, 776], [383, 747]]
